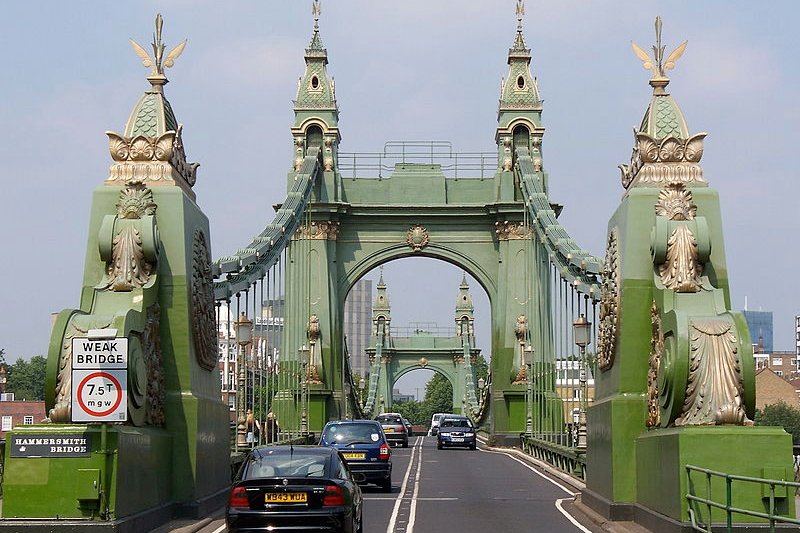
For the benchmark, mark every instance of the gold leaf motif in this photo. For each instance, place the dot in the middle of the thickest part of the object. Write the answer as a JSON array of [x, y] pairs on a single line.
[[164, 146], [141, 149], [648, 148], [118, 147], [694, 148], [671, 150], [656, 352], [675, 202], [417, 237], [715, 387], [682, 270]]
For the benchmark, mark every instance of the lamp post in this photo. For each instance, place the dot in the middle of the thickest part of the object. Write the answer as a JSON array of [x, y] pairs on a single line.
[[3, 379], [244, 333], [362, 384], [305, 354], [528, 354], [581, 330]]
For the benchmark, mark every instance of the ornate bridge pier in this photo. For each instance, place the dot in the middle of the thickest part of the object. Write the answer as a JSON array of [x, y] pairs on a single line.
[[147, 293]]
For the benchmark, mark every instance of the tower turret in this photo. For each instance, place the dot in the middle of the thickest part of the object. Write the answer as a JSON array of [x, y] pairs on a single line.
[[519, 115], [381, 310], [316, 112], [465, 310]]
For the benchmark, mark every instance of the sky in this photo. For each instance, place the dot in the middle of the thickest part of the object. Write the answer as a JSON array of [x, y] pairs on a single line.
[[411, 70]]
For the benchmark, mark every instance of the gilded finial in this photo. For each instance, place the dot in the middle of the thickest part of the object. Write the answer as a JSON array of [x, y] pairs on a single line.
[[656, 63], [316, 10], [157, 63], [520, 13]]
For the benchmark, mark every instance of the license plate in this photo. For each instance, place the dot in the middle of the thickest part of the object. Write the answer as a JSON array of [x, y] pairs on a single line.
[[354, 455], [457, 439], [388, 430], [285, 497]]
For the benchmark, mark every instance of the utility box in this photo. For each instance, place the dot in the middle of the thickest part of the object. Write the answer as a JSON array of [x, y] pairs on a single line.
[[87, 486]]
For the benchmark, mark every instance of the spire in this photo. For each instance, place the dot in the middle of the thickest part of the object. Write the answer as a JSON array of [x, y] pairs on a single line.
[[663, 148], [465, 310], [151, 148], [381, 307], [314, 90]]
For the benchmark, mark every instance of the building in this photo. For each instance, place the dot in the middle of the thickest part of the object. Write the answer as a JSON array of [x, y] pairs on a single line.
[[783, 364], [771, 388], [358, 325], [19, 413], [761, 331], [570, 388], [797, 335], [399, 397]]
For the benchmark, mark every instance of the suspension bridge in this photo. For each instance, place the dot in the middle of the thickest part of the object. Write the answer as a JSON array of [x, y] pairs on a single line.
[[649, 325]]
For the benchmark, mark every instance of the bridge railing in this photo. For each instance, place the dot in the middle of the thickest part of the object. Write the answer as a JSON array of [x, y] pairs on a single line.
[[458, 165], [568, 459], [702, 503]]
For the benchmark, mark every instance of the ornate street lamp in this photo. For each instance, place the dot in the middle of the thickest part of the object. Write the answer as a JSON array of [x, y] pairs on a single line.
[[528, 355], [244, 333], [481, 384], [304, 354], [3, 379], [581, 331]]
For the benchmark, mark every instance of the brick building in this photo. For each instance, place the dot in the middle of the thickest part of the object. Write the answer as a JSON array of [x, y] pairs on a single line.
[[18, 413], [772, 388]]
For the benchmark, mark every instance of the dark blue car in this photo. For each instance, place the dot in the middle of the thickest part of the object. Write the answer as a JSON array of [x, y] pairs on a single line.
[[456, 430], [364, 447]]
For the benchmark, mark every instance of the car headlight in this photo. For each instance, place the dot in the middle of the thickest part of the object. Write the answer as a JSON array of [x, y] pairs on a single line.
[[444, 434], [468, 433]]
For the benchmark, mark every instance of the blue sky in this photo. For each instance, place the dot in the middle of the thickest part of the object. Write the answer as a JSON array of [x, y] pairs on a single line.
[[415, 69]]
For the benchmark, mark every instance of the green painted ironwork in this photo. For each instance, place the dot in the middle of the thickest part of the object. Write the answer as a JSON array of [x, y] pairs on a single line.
[[707, 500]]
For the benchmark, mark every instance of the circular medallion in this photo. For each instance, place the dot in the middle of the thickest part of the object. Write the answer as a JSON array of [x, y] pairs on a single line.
[[203, 323], [417, 237], [609, 305]]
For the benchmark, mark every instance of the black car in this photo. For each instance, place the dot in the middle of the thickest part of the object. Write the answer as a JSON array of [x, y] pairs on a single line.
[[409, 427], [363, 445], [289, 488], [456, 430]]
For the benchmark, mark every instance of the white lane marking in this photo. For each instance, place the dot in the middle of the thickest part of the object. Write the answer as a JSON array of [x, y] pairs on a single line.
[[413, 514], [418, 499], [220, 529], [529, 467], [569, 517], [390, 528]]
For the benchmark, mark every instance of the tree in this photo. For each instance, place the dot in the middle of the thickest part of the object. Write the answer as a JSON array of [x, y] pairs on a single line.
[[781, 414], [413, 410], [438, 396], [26, 378]]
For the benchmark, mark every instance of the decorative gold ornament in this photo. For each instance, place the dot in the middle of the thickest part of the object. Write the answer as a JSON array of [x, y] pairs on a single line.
[[327, 160], [157, 63], [656, 351], [682, 269], [423, 362], [656, 63], [506, 230], [327, 230], [715, 387], [151, 347], [610, 304], [417, 237], [203, 323], [669, 160]]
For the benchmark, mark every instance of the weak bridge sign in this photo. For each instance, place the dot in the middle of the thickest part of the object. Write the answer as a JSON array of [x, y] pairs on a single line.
[[99, 379]]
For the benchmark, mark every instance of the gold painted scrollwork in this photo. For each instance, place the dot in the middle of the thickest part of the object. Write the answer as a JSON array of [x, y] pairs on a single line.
[[609, 304], [656, 352], [682, 269], [417, 237]]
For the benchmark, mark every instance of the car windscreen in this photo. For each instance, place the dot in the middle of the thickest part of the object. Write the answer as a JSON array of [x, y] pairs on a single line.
[[286, 465], [456, 423], [346, 434]]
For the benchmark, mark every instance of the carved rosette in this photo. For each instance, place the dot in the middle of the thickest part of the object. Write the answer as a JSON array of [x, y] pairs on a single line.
[[318, 231], [715, 387], [682, 269], [671, 159], [417, 237], [154, 160], [128, 269], [203, 322], [656, 352], [506, 231], [610, 302]]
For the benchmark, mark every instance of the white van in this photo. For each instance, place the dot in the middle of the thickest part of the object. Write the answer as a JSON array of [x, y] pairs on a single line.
[[435, 419]]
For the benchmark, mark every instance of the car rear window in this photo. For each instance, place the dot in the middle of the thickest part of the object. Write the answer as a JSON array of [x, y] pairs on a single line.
[[286, 465], [351, 434], [456, 423], [390, 420]]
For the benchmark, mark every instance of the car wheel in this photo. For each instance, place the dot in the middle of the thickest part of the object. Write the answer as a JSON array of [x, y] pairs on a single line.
[[360, 523], [386, 485], [438, 445], [472, 446], [405, 443]]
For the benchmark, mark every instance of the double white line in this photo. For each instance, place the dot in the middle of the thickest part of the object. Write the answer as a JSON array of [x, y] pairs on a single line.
[[414, 464]]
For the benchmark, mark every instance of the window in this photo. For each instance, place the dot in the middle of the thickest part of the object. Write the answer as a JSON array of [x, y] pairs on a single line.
[[777, 361], [231, 402], [778, 373], [6, 423], [28, 420]]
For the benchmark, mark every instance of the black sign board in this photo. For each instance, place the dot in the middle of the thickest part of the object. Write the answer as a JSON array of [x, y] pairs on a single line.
[[51, 445]]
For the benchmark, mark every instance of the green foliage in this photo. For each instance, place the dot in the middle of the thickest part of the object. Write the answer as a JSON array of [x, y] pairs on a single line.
[[781, 414], [438, 396], [26, 378], [413, 410]]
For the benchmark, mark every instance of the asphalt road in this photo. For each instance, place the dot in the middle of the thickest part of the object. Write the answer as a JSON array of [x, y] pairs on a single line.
[[436, 491]]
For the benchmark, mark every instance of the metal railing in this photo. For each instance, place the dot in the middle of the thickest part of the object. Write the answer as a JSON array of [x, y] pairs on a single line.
[[772, 490], [458, 165], [569, 460]]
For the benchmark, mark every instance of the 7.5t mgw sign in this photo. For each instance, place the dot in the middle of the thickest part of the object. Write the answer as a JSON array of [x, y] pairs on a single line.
[[99, 380]]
